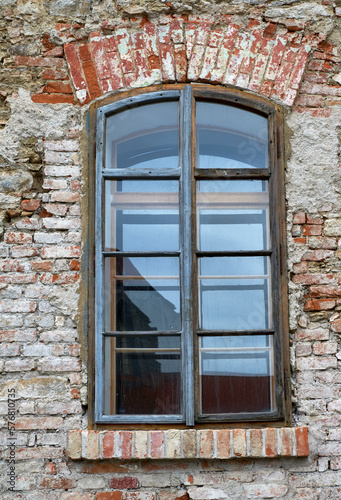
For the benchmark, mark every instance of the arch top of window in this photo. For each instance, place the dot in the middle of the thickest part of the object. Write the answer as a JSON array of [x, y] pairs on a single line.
[[232, 129]]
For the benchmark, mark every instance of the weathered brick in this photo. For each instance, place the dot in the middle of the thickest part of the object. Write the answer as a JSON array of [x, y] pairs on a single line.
[[62, 171], [313, 101], [318, 255], [173, 444], [300, 268], [271, 449], [62, 364], [55, 408], [39, 453], [325, 291], [239, 442], [9, 349], [30, 205], [265, 490], [18, 252], [323, 348], [223, 443], [17, 306], [320, 363], [10, 265], [76, 495], [126, 482], [53, 98], [141, 440], [38, 61], [302, 444], [189, 439], [90, 445], [319, 304], [314, 279], [76, 70], [299, 218], [206, 444], [19, 365], [18, 278], [312, 230], [322, 242], [38, 423], [286, 436], [125, 444], [303, 349], [256, 442], [109, 495], [75, 444], [55, 209], [157, 443], [54, 184], [18, 336], [18, 238], [124, 48], [60, 252], [108, 444], [141, 495], [64, 197]]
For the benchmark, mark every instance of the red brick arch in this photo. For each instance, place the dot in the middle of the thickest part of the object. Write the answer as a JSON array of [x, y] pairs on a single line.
[[269, 61]]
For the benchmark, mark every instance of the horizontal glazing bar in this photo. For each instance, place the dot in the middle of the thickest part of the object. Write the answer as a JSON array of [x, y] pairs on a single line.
[[145, 277], [156, 350], [133, 419], [234, 349], [165, 173], [256, 416], [233, 253], [243, 173], [217, 333], [138, 333], [233, 277], [141, 254]]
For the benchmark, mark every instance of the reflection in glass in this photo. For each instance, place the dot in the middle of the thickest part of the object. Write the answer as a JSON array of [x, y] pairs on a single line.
[[234, 293], [141, 294], [144, 137], [230, 137], [142, 375], [236, 374], [232, 215], [147, 220]]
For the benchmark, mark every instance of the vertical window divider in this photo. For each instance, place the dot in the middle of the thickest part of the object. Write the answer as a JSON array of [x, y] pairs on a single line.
[[186, 251], [99, 368]]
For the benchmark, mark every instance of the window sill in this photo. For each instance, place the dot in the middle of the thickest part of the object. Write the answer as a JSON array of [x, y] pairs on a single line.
[[189, 444]]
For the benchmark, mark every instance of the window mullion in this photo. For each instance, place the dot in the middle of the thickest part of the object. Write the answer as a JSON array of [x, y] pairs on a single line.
[[99, 270], [186, 267]]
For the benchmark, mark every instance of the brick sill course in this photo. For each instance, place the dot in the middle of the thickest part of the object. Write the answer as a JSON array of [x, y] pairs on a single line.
[[189, 444]]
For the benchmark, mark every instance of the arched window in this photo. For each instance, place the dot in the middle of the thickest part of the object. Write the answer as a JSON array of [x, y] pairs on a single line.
[[190, 298]]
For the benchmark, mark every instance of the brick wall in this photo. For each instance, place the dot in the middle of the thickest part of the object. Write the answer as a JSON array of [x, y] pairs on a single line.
[[57, 58]]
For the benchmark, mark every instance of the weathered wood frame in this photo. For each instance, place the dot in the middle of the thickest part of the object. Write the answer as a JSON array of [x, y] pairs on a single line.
[[188, 175]]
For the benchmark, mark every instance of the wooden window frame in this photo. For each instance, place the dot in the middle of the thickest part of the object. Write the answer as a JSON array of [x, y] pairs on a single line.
[[187, 94]]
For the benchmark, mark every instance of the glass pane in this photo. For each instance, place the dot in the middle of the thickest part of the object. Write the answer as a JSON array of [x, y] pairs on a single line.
[[141, 294], [230, 137], [142, 376], [236, 374], [232, 215], [226, 284], [141, 215], [143, 137]]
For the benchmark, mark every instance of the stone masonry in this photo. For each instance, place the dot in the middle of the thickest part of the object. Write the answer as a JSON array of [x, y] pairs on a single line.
[[60, 56]]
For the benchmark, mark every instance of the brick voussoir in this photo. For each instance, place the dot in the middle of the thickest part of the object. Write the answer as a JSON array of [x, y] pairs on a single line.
[[207, 444], [253, 60]]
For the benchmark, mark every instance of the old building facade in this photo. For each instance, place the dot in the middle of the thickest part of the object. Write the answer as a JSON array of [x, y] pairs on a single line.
[[61, 62]]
